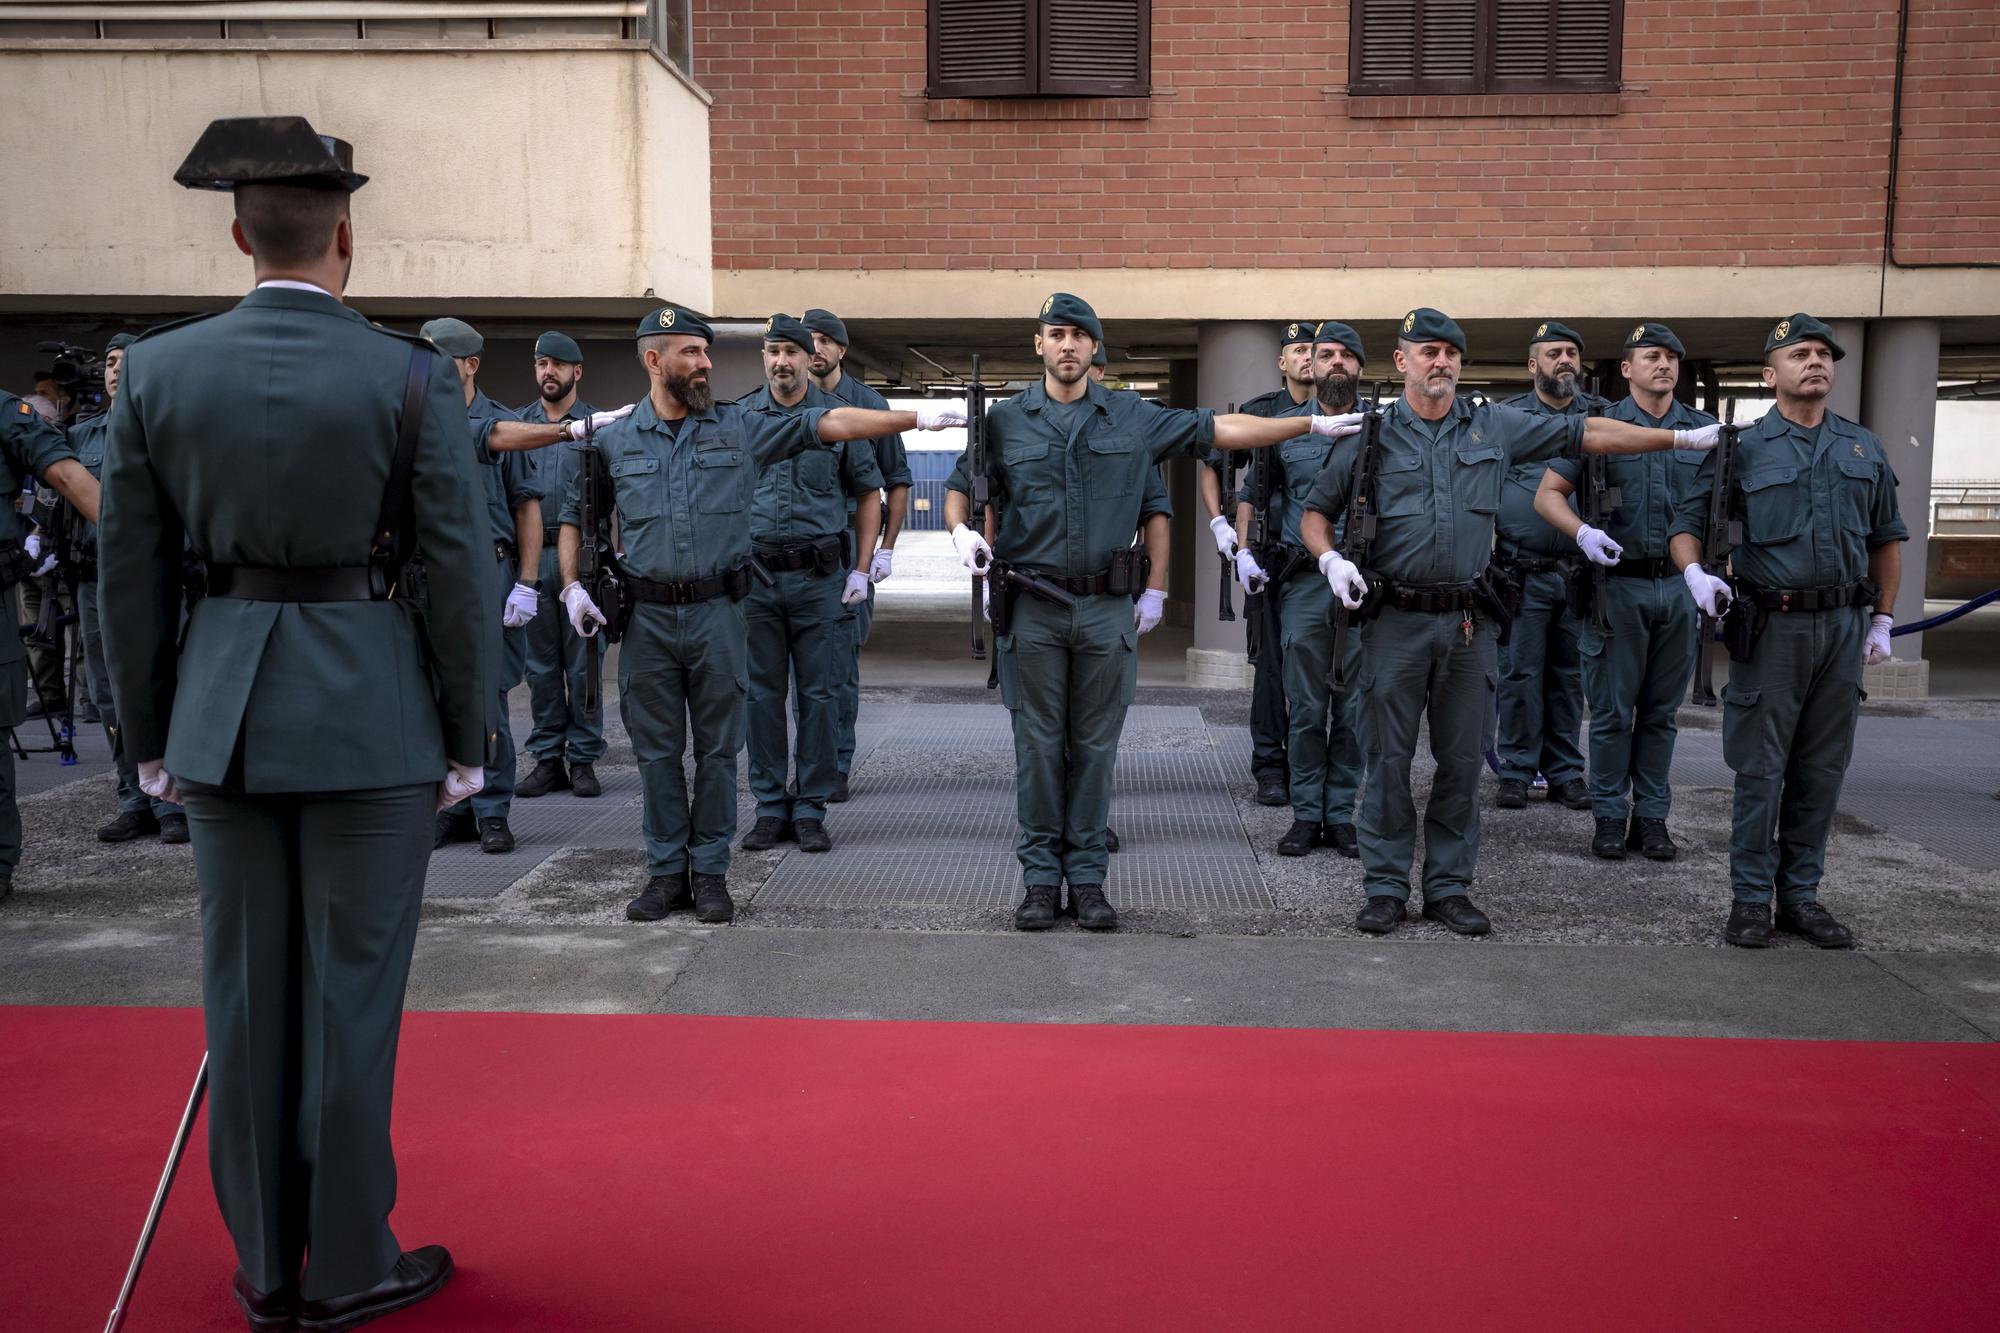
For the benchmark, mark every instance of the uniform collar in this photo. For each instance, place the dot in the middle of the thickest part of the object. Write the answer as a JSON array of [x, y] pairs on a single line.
[[1095, 394], [764, 401], [646, 417], [272, 296], [578, 410]]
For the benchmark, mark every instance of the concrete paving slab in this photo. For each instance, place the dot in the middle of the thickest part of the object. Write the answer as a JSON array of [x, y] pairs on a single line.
[[1966, 984]]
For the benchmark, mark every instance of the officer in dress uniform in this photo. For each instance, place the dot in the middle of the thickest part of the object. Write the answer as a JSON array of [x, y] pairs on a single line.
[[1816, 576], [313, 722]]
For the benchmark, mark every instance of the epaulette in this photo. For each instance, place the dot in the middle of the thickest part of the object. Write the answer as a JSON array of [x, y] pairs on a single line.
[[171, 324], [398, 333]]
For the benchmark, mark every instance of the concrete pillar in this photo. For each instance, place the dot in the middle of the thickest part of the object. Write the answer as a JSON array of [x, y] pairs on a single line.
[[1238, 361], [1845, 399], [1899, 403]]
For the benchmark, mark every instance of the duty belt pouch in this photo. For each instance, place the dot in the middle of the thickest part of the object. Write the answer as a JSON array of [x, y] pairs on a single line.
[[1742, 625], [1000, 595], [1488, 594], [1286, 561], [829, 554], [736, 583], [1126, 576]]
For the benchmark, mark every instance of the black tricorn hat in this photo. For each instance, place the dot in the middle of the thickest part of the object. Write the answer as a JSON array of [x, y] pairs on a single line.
[[268, 150]]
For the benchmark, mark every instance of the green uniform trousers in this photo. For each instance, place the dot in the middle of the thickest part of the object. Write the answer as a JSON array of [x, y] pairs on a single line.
[[1541, 688], [13, 705], [497, 797], [1417, 663], [1635, 674], [1323, 746], [129, 795], [1788, 718], [309, 905], [796, 627], [850, 688], [1066, 676], [1269, 723], [555, 664], [681, 677]]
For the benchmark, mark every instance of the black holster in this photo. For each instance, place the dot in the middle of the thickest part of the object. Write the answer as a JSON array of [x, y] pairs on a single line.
[[1000, 595], [1127, 574], [14, 564], [1743, 623], [1490, 591]]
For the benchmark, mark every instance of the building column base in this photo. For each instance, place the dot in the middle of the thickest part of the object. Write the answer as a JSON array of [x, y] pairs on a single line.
[[1218, 669], [1897, 678]]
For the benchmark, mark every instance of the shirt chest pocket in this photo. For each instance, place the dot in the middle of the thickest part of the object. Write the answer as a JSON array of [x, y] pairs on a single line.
[[722, 481], [1031, 474], [638, 485], [1478, 476], [819, 470], [1775, 506], [1113, 465], [1303, 460], [1402, 486], [1854, 493]]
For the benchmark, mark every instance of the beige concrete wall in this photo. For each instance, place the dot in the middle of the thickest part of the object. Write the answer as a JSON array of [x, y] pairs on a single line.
[[579, 175]]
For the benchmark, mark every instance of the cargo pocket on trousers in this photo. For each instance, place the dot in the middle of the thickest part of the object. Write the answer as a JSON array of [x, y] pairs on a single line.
[[1128, 670], [1750, 734], [1010, 681]]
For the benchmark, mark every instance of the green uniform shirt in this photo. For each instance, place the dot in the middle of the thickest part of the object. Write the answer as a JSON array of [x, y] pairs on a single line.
[[1070, 499], [891, 458], [1295, 465], [29, 447], [1649, 485], [1439, 484], [510, 477], [1520, 530], [554, 467], [684, 495], [1812, 510], [808, 495], [87, 438]]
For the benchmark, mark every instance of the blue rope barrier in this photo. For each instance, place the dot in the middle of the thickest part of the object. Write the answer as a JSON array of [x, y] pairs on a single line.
[[1946, 617]]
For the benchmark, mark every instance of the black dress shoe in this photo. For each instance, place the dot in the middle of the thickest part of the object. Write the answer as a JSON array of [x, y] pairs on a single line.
[[583, 781], [1816, 925], [130, 824], [1648, 837], [766, 833], [1273, 789], [712, 903], [812, 836], [494, 835], [1749, 925], [1299, 839], [1575, 794], [1609, 840], [839, 793], [1513, 794], [173, 829], [417, 1275], [549, 775], [1380, 915], [454, 828], [1110, 838], [272, 1313], [1458, 914], [1038, 908], [1090, 908], [1342, 838], [662, 894]]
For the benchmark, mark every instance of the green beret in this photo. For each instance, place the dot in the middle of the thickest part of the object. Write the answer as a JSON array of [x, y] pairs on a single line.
[[1799, 328], [673, 319], [1062, 308], [783, 328], [453, 337], [1333, 331], [1553, 331], [1425, 325], [825, 321], [1098, 358], [1650, 334], [120, 340], [268, 150], [1295, 331], [559, 347]]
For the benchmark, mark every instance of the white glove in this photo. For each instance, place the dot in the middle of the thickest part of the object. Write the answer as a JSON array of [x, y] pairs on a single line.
[[1347, 423], [32, 545], [941, 415], [973, 552], [882, 565], [1710, 593], [584, 617], [1876, 651], [1225, 536], [1598, 548], [157, 783], [1344, 578], [1701, 437], [856, 589], [48, 563], [1146, 614], [577, 430], [521, 605], [459, 783], [1250, 575]]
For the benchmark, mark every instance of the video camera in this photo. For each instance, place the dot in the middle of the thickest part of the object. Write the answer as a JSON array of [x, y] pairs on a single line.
[[80, 374]]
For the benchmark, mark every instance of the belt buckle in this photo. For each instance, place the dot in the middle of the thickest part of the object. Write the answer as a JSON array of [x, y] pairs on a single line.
[[1784, 601]]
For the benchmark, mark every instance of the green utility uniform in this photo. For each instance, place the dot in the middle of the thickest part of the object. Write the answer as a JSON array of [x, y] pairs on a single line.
[[1636, 668], [555, 659], [87, 439], [1438, 493], [798, 627], [508, 479], [1270, 722], [1070, 480], [309, 734], [1814, 504], [683, 491], [29, 446], [1540, 721]]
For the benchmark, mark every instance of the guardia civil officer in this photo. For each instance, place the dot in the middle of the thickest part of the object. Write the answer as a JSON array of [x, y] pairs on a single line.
[[29, 447], [1067, 463], [565, 743], [1428, 634], [313, 723], [1639, 645], [801, 625], [1323, 747], [138, 813], [1541, 683], [829, 374], [683, 475], [1817, 574]]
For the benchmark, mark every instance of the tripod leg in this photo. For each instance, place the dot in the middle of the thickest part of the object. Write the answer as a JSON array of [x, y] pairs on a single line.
[[117, 1320]]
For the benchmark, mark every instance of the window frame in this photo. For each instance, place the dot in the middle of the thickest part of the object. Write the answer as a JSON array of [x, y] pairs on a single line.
[[1039, 83], [1484, 81]]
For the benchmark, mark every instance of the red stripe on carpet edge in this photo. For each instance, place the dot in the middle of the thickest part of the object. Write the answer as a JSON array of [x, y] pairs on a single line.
[[626, 1171]]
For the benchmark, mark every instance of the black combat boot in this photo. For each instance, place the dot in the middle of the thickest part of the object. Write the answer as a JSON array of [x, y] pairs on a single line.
[[1609, 840], [1648, 837], [548, 776], [812, 836], [1458, 914], [1038, 908], [1299, 839], [1575, 794], [1816, 925], [1110, 838], [766, 833], [1749, 925], [494, 835], [174, 829], [1513, 794], [130, 824], [1272, 789], [712, 903], [1342, 838], [1090, 908], [662, 894], [583, 781], [1380, 915]]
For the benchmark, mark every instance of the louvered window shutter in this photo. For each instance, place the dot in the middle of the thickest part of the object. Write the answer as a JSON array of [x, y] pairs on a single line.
[[1478, 46], [1556, 45], [1040, 48], [1095, 48], [983, 48]]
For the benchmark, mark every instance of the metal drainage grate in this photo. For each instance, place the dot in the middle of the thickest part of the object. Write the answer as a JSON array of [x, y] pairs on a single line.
[[993, 880]]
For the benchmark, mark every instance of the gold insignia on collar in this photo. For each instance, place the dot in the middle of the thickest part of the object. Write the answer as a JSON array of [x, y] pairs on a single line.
[[1784, 328], [1638, 333], [1541, 330], [1409, 321], [1048, 305], [667, 318]]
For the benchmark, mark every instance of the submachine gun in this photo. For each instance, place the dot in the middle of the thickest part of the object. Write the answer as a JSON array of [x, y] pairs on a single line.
[[1225, 603], [1600, 501], [597, 564], [1357, 534], [1738, 626]]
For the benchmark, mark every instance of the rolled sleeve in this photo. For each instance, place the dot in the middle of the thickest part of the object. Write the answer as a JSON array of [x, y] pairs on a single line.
[[892, 459], [1690, 502], [482, 430], [858, 469], [1177, 430], [1530, 438], [1888, 525], [1328, 496], [774, 437], [960, 479], [40, 445]]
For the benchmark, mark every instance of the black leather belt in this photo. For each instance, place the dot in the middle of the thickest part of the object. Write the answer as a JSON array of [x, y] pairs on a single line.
[[1652, 567], [1431, 596], [1079, 585], [1863, 593], [503, 550], [823, 554], [733, 584], [267, 583], [1531, 564], [550, 536]]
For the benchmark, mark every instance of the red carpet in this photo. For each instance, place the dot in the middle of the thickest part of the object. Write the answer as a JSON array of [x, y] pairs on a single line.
[[653, 1173]]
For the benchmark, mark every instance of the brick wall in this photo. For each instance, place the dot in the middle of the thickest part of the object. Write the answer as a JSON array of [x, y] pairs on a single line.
[[1750, 132]]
